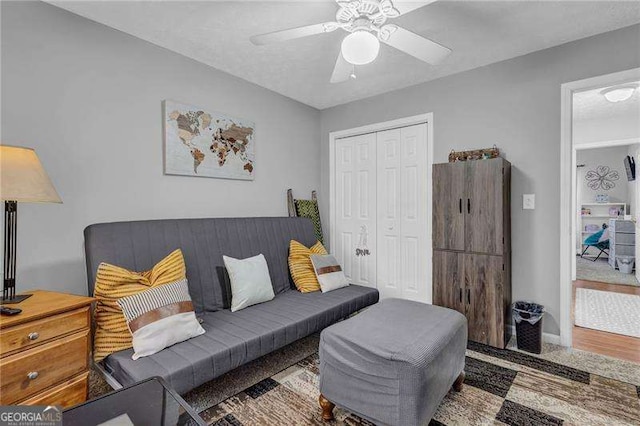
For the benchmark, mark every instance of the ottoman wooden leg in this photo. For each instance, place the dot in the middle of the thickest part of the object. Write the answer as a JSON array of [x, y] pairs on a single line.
[[457, 385], [327, 408]]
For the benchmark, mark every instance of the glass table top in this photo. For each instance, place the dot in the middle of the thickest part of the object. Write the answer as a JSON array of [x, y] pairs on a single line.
[[149, 402]]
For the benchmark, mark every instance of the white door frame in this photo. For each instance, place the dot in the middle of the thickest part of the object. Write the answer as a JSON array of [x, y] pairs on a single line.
[[373, 128], [568, 185]]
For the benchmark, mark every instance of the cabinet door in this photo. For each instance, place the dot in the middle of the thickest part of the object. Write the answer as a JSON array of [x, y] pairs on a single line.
[[484, 206], [447, 280], [448, 208], [483, 283]]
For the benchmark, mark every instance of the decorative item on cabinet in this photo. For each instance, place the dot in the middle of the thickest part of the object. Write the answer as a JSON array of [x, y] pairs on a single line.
[[476, 154]]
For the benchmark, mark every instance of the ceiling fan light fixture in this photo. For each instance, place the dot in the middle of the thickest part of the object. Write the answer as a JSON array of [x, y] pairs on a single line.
[[360, 47], [618, 94]]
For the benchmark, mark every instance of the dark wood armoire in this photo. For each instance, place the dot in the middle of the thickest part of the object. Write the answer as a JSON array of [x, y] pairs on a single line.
[[472, 245]]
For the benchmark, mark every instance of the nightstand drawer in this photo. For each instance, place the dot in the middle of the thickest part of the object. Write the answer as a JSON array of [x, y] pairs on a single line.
[[67, 394], [38, 368], [34, 333]]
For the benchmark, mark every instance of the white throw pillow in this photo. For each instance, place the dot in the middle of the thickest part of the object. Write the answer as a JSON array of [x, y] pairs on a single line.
[[160, 317], [250, 281], [329, 272]]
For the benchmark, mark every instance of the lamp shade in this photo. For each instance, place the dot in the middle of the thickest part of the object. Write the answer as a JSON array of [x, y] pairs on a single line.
[[22, 177]]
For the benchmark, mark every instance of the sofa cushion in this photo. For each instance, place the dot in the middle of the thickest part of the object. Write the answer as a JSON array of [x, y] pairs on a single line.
[[250, 281], [233, 339], [300, 265], [113, 283], [139, 245], [160, 317]]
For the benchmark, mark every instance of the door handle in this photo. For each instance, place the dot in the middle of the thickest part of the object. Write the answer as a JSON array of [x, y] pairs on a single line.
[[460, 295], [469, 205], [460, 204], [468, 296]]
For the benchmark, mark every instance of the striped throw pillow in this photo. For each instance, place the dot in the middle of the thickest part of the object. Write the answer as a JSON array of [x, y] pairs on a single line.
[[329, 272], [300, 265], [160, 317], [114, 283]]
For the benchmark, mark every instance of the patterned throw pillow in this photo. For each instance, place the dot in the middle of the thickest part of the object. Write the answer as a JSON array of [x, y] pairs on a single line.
[[309, 209], [300, 265], [160, 317], [329, 272], [114, 283]]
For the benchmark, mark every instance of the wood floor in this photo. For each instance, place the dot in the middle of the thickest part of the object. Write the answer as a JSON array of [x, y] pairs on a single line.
[[601, 342]]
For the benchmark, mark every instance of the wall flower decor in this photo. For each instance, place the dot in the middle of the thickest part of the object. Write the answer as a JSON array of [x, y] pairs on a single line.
[[602, 178]]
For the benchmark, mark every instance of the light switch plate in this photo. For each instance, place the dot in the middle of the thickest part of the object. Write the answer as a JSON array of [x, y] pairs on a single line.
[[528, 201]]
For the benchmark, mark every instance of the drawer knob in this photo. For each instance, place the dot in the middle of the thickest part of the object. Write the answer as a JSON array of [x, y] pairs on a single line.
[[33, 336], [32, 375]]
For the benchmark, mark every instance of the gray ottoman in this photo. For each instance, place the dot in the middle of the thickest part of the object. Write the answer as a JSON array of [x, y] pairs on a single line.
[[393, 363]]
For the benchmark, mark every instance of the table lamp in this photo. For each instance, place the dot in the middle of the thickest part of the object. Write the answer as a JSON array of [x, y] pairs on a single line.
[[22, 179]]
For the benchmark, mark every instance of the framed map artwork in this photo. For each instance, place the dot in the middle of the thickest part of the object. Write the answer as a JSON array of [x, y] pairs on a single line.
[[204, 143]]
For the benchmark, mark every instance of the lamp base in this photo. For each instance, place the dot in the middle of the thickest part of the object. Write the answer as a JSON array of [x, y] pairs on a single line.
[[15, 299]]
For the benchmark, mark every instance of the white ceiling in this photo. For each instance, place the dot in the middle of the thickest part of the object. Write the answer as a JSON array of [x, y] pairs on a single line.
[[479, 33], [591, 105]]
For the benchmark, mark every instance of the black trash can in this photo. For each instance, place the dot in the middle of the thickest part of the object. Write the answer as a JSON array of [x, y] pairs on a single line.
[[528, 318]]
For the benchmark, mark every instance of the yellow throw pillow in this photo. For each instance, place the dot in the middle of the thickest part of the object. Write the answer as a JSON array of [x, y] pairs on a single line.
[[301, 268], [113, 283]]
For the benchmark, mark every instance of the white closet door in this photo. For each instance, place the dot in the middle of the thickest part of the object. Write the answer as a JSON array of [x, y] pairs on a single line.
[[416, 266], [402, 182], [388, 212], [355, 168]]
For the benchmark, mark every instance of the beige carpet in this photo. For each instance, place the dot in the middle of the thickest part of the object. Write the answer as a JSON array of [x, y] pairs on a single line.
[[587, 269]]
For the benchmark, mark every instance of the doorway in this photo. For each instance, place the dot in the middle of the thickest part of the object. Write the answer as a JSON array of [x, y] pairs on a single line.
[[600, 141], [380, 209]]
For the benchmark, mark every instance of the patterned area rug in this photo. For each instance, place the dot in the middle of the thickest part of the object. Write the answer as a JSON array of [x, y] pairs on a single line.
[[501, 387], [607, 311]]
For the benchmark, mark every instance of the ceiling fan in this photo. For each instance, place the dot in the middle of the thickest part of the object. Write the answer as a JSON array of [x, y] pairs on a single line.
[[366, 21]]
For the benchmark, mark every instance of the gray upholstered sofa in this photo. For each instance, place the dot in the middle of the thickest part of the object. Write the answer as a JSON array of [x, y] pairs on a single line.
[[231, 339]]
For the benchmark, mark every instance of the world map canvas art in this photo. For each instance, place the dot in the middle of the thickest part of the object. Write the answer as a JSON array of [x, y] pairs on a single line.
[[208, 144]]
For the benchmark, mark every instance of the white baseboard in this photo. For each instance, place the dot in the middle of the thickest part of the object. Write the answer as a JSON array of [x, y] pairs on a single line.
[[554, 339]]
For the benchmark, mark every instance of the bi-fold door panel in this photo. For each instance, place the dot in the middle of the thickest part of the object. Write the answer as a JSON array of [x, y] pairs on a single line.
[[483, 205], [448, 212], [402, 179], [389, 213], [414, 178], [355, 182]]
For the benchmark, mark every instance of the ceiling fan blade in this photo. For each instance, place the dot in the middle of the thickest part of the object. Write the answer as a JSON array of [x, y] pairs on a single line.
[[293, 33], [416, 46], [342, 70], [406, 6]]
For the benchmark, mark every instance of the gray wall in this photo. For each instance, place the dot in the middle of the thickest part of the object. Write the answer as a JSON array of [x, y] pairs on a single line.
[[88, 99], [514, 104]]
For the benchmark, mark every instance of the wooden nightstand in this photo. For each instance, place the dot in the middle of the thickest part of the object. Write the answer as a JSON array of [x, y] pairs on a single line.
[[44, 350]]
